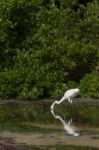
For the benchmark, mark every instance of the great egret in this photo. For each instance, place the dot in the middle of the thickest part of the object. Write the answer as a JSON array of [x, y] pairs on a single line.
[[67, 95], [67, 126]]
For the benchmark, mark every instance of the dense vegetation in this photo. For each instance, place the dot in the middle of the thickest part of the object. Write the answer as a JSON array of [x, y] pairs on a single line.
[[48, 46]]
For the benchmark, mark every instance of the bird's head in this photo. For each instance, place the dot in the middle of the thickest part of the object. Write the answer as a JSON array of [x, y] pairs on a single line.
[[76, 91]]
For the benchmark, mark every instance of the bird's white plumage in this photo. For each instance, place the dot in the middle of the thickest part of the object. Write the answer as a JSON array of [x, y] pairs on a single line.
[[67, 95]]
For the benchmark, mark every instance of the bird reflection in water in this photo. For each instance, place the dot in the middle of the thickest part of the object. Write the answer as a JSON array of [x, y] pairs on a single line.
[[67, 126]]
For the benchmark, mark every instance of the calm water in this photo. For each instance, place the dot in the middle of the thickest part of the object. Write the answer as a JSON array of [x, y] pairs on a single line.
[[33, 124]]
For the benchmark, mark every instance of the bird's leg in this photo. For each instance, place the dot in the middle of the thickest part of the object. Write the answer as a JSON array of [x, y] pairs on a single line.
[[69, 100], [70, 121]]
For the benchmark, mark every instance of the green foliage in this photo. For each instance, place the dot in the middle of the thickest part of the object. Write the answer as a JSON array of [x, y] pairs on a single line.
[[46, 49], [61, 147], [89, 85]]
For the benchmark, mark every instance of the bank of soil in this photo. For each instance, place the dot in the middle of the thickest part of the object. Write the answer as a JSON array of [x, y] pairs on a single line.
[[44, 139]]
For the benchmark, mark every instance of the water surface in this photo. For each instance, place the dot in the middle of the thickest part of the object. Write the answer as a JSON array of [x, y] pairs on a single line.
[[33, 124]]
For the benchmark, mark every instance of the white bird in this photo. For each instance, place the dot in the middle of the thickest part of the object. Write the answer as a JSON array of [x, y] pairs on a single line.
[[67, 95]]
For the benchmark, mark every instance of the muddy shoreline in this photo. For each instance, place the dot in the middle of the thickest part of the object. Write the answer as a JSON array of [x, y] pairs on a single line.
[[44, 139]]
